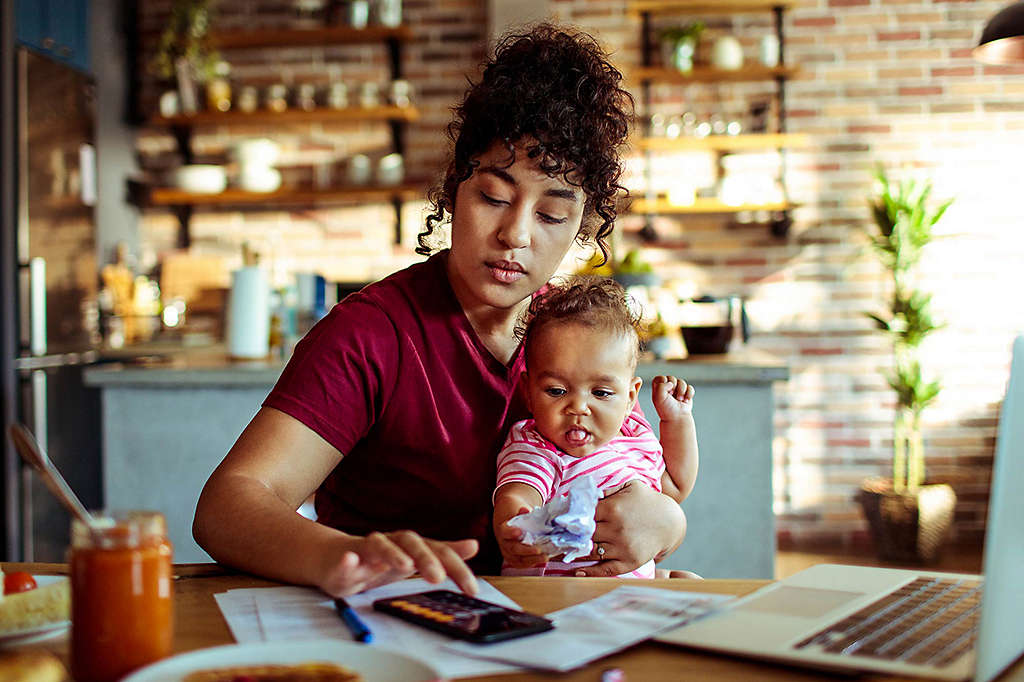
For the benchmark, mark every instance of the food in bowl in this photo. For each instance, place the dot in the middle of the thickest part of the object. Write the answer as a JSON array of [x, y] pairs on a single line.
[[313, 671], [201, 178], [23, 607]]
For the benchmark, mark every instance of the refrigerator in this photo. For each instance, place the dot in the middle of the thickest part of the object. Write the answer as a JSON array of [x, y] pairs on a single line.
[[55, 309]]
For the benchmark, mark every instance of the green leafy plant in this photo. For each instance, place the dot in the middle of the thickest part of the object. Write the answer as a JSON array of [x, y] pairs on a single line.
[[186, 36], [903, 226], [690, 31], [633, 263]]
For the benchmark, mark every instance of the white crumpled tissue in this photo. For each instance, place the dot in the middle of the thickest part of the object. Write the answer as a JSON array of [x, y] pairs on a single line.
[[565, 524]]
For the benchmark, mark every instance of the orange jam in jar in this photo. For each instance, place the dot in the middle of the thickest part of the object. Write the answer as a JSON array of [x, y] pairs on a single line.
[[121, 594]]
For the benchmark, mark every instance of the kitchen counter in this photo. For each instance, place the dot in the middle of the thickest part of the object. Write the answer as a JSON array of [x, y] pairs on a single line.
[[210, 366], [170, 415]]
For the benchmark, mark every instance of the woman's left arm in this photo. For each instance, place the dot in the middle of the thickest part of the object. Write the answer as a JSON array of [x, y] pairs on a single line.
[[634, 525]]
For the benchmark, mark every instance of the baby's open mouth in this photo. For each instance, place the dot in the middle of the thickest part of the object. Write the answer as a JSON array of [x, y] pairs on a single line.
[[577, 436]]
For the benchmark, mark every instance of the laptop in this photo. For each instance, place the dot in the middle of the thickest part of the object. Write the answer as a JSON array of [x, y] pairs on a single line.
[[946, 626]]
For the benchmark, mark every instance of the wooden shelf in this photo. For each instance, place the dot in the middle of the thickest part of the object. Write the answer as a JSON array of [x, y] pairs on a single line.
[[725, 143], [662, 206], [750, 71], [264, 116], [169, 196], [705, 6], [292, 37]]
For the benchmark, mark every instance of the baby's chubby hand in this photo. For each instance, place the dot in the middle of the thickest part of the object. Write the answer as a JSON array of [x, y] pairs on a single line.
[[672, 397], [516, 554]]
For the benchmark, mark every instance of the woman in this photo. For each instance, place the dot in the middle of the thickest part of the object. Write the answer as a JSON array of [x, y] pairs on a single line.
[[394, 406]]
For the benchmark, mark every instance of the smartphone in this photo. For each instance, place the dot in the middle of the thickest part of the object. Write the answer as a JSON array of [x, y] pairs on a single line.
[[464, 617]]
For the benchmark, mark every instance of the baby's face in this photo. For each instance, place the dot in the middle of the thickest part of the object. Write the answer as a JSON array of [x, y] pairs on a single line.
[[580, 385]]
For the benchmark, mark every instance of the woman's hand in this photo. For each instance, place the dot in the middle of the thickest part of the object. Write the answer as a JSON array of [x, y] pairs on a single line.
[[381, 558], [634, 525]]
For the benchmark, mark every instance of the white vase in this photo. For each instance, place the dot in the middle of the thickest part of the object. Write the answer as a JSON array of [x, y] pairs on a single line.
[[727, 53]]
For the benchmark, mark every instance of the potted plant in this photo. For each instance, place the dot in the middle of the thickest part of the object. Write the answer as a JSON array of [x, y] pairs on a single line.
[[654, 338], [679, 45], [184, 52], [908, 519], [634, 271]]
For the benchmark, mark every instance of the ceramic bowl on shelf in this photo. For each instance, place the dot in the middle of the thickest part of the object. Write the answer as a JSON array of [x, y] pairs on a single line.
[[259, 179], [258, 151], [201, 179]]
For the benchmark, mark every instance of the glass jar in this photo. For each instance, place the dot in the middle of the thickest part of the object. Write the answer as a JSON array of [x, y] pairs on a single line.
[[121, 594]]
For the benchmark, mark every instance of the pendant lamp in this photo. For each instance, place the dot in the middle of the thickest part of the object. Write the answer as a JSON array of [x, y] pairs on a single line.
[[1002, 41]]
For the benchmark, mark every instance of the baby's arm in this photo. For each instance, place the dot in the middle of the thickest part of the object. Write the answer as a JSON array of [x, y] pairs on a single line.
[[513, 499], [673, 399]]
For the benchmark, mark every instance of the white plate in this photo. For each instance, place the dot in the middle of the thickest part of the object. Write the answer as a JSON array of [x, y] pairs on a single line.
[[374, 663], [38, 633]]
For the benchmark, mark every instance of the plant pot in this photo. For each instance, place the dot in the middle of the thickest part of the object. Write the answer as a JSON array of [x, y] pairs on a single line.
[[907, 527], [659, 346]]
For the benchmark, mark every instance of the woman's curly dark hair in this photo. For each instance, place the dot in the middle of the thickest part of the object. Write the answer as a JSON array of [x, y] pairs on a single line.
[[556, 87], [589, 300]]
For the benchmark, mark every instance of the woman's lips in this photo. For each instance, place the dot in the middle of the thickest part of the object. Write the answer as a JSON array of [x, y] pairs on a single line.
[[506, 272]]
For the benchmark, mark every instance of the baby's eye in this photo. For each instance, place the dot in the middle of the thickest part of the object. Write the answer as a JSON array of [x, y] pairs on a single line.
[[602, 393], [554, 391]]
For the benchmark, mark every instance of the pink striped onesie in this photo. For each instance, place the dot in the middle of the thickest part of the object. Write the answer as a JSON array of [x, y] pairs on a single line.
[[527, 457]]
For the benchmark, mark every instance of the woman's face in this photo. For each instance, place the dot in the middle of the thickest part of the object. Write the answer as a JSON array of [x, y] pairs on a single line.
[[511, 227]]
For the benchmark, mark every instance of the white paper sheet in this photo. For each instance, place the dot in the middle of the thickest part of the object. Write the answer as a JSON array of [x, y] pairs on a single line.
[[291, 613], [599, 627]]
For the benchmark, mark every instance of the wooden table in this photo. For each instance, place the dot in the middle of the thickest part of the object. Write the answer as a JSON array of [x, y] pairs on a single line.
[[199, 624]]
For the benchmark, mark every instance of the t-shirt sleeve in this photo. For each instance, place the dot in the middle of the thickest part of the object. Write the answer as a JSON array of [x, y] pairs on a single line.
[[341, 373], [523, 460], [638, 433]]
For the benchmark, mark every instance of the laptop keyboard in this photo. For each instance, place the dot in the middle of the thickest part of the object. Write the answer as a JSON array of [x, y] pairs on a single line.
[[930, 621]]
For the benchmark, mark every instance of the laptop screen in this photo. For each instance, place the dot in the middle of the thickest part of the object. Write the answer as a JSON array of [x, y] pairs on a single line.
[[1000, 636]]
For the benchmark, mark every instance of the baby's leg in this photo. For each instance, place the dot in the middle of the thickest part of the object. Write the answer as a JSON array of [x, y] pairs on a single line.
[[665, 573]]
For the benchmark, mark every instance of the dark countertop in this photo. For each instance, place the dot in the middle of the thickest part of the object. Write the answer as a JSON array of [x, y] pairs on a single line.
[[176, 367]]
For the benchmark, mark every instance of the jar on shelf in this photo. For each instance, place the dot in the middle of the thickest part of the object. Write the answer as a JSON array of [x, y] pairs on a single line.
[[218, 89], [121, 594], [277, 97], [305, 97], [248, 99]]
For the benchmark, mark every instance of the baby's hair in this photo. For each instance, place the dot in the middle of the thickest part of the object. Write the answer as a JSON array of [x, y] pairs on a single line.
[[587, 300], [556, 87]]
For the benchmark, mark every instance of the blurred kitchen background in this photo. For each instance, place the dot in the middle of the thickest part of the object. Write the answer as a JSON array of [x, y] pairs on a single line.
[[286, 165]]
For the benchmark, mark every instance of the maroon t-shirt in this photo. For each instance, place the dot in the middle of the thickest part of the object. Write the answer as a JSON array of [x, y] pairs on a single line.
[[397, 380]]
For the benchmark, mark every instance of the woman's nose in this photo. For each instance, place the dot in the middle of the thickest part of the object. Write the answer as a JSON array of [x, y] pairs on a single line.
[[515, 228]]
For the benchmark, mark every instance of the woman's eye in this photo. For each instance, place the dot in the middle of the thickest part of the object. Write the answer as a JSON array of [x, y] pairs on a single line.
[[493, 201], [550, 219], [554, 391]]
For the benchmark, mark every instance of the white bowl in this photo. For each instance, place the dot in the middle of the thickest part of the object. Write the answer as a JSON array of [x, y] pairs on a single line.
[[259, 179], [257, 151], [201, 179]]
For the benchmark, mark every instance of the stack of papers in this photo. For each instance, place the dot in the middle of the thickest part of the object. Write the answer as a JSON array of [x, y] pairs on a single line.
[[585, 632]]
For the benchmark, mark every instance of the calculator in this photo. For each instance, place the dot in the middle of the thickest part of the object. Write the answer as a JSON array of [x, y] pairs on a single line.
[[464, 617]]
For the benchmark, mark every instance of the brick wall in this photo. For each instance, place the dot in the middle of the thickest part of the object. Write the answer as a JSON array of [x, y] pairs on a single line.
[[882, 81]]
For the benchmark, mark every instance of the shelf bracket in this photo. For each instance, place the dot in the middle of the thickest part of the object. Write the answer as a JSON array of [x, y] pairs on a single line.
[[396, 204], [183, 137], [184, 215]]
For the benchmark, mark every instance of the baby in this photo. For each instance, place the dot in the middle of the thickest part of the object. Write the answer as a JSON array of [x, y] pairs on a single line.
[[580, 386]]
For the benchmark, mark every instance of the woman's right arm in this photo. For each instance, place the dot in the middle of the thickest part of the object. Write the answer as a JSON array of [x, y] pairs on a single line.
[[246, 518]]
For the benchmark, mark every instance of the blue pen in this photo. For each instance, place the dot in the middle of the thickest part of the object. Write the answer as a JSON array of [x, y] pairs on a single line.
[[355, 624]]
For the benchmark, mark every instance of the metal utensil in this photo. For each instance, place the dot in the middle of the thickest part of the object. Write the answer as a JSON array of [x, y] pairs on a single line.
[[29, 449]]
